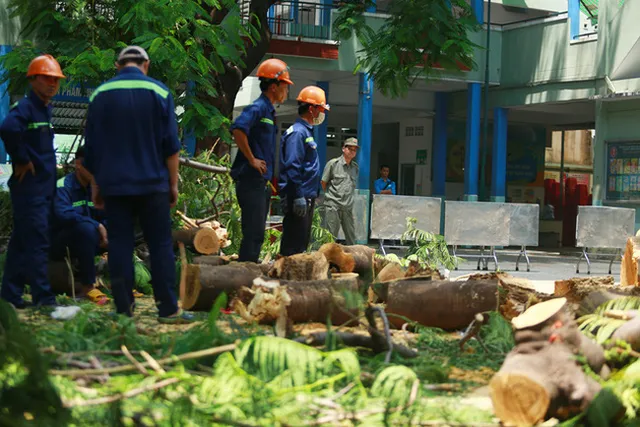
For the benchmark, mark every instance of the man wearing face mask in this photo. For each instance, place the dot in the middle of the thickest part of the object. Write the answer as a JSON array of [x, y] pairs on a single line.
[[339, 183], [254, 131], [27, 134], [299, 176]]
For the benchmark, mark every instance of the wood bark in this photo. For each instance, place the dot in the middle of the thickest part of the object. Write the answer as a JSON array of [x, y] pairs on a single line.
[[202, 166], [354, 340], [540, 380], [213, 260], [316, 300], [586, 294], [204, 283], [203, 240], [629, 332], [629, 266], [442, 304], [299, 267], [348, 259], [391, 271], [541, 377]]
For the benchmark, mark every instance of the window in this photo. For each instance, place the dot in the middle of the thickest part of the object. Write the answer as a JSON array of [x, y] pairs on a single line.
[[408, 131], [419, 130]]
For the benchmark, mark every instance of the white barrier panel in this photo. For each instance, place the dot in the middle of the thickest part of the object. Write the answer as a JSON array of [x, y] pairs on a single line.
[[477, 223], [604, 227], [524, 225], [389, 215]]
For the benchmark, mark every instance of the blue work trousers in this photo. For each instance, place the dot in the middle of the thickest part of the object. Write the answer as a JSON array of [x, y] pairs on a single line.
[[83, 241], [28, 252], [253, 198], [153, 214], [296, 230]]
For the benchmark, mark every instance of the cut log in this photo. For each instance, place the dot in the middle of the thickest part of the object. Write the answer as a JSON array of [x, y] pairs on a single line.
[[204, 283], [203, 240], [630, 259], [391, 271], [540, 380], [300, 267], [213, 260], [309, 301], [347, 259], [586, 294], [442, 304]]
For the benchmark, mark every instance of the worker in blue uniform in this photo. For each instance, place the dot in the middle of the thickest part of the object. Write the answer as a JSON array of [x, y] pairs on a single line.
[[299, 177], [132, 151], [27, 134], [254, 132], [80, 228]]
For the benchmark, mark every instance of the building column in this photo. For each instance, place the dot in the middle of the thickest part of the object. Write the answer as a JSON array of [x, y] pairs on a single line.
[[499, 155], [472, 143], [294, 11], [365, 122], [320, 132], [439, 157], [5, 101], [574, 19], [271, 14]]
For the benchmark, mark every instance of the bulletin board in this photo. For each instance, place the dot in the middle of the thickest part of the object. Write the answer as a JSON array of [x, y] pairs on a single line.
[[623, 171]]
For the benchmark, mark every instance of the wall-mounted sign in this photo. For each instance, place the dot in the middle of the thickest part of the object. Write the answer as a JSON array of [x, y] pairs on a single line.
[[623, 170], [421, 157]]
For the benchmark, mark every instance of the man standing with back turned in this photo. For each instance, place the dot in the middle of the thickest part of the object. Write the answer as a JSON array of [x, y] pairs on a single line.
[[254, 131], [132, 150], [27, 134]]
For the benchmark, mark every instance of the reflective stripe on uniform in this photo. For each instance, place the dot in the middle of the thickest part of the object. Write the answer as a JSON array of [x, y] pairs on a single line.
[[309, 139], [267, 121], [39, 125], [82, 203], [60, 182], [130, 84]]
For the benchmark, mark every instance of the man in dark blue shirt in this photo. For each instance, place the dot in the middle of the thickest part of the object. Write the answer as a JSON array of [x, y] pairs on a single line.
[[384, 185], [254, 132], [27, 134], [79, 226], [132, 151], [299, 179]]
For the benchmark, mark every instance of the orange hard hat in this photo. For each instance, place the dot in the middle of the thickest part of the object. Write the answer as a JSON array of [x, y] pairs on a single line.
[[274, 69], [45, 65], [315, 96]]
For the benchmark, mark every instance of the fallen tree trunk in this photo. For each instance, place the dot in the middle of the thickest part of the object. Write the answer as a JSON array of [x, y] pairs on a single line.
[[629, 332], [586, 294], [203, 240], [204, 283], [299, 267], [629, 266], [442, 304], [213, 260]]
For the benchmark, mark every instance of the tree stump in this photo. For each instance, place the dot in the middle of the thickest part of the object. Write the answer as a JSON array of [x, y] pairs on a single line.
[[347, 259], [203, 240]]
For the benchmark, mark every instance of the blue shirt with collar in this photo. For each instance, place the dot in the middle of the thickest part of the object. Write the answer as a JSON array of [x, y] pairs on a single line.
[[258, 122], [72, 204], [27, 134], [380, 184], [299, 162], [131, 131]]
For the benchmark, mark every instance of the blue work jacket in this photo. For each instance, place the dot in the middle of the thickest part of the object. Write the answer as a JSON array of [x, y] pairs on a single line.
[[131, 131], [27, 134], [258, 122], [72, 204], [380, 184], [299, 162]]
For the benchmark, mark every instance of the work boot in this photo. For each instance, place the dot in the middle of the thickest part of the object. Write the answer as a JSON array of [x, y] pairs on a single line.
[[180, 318]]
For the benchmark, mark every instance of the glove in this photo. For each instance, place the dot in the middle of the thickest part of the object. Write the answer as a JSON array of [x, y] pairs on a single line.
[[300, 206], [284, 205]]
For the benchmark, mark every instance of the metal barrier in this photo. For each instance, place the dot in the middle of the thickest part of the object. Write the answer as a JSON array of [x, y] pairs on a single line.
[[524, 228], [483, 224], [605, 228], [389, 215]]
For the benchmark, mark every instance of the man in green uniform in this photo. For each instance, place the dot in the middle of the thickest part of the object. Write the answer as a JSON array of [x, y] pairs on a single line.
[[339, 184]]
